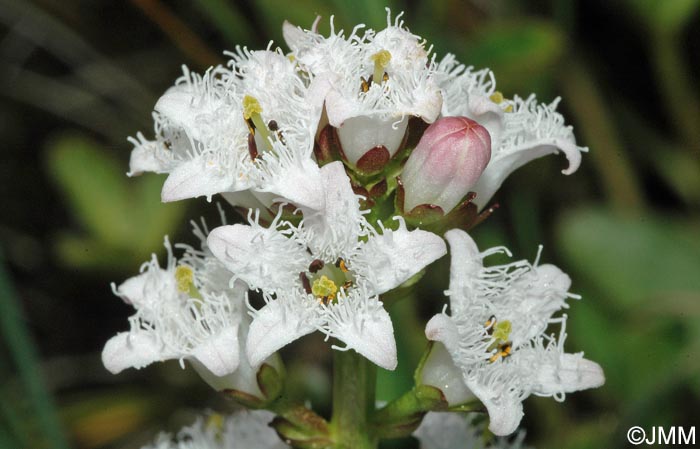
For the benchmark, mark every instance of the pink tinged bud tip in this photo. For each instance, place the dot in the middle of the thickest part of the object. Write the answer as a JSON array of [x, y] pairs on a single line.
[[446, 163]]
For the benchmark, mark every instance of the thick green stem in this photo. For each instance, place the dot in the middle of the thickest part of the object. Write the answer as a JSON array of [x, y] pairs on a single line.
[[354, 379]]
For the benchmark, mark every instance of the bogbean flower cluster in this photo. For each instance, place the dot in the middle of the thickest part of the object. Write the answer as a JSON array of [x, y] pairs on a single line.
[[350, 158]]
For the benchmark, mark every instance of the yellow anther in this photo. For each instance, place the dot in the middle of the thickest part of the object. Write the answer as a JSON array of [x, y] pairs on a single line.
[[324, 288], [501, 330], [251, 107], [184, 276], [496, 97], [291, 57], [504, 350], [216, 422], [381, 60], [508, 108]]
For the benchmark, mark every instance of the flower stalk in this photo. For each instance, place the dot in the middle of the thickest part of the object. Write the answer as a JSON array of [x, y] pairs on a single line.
[[354, 381]]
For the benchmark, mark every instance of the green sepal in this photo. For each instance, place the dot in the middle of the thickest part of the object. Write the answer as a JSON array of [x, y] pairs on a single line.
[[402, 416], [302, 428], [270, 382]]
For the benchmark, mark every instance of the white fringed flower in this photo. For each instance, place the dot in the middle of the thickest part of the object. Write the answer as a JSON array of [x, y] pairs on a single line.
[[242, 430], [496, 333], [371, 83], [521, 129], [249, 125], [453, 430], [325, 274], [186, 311]]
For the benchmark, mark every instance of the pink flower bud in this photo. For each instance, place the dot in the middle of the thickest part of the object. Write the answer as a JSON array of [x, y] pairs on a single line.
[[446, 163]]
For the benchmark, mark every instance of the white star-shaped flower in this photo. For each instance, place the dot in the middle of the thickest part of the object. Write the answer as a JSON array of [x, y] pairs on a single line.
[[372, 84], [521, 129], [325, 274], [496, 333], [247, 126], [186, 311], [453, 430], [241, 430]]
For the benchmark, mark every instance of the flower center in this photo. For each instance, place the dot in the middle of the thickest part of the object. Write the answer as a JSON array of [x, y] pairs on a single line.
[[499, 333], [325, 281], [258, 132], [497, 97], [381, 60]]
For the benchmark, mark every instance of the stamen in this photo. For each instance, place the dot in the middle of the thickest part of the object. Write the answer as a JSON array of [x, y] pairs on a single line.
[[364, 87], [251, 114], [305, 283], [316, 265], [497, 97], [381, 61], [504, 350], [340, 263]]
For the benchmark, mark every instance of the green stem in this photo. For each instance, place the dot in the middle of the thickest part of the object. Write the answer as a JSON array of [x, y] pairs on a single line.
[[26, 358], [596, 123], [678, 91], [354, 379]]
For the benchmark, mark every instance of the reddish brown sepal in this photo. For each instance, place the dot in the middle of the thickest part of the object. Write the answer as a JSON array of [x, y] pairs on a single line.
[[378, 189], [374, 160], [327, 148]]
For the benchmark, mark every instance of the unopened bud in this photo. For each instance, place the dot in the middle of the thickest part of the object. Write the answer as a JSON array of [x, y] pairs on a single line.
[[446, 163]]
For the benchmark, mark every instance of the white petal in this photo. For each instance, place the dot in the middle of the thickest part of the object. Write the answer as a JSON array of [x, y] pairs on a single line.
[[572, 373], [489, 115], [263, 258], [148, 287], [441, 328], [148, 156], [441, 430], [274, 327], [394, 256], [130, 350], [201, 176], [360, 134], [441, 372], [505, 163], [299, 183], [219, 354], [464, 266], [336, 227], [505, 411], [371, 335]]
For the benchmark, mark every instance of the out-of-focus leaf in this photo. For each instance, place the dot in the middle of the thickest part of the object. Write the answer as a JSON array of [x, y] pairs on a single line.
[[227, 19], [123, 218], [100, 419], [664, 16], [632, 260], [520, 53], [93, 185]]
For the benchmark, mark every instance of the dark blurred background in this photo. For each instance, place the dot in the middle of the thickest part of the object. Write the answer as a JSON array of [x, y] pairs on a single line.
[[78, 77]]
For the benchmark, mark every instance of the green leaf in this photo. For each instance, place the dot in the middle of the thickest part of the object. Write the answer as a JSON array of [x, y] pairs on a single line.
[[93, 185], [633, 260], [123, 219]]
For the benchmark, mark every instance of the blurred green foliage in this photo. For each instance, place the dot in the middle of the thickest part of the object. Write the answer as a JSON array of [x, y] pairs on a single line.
[[626, 226], [123, 218]]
